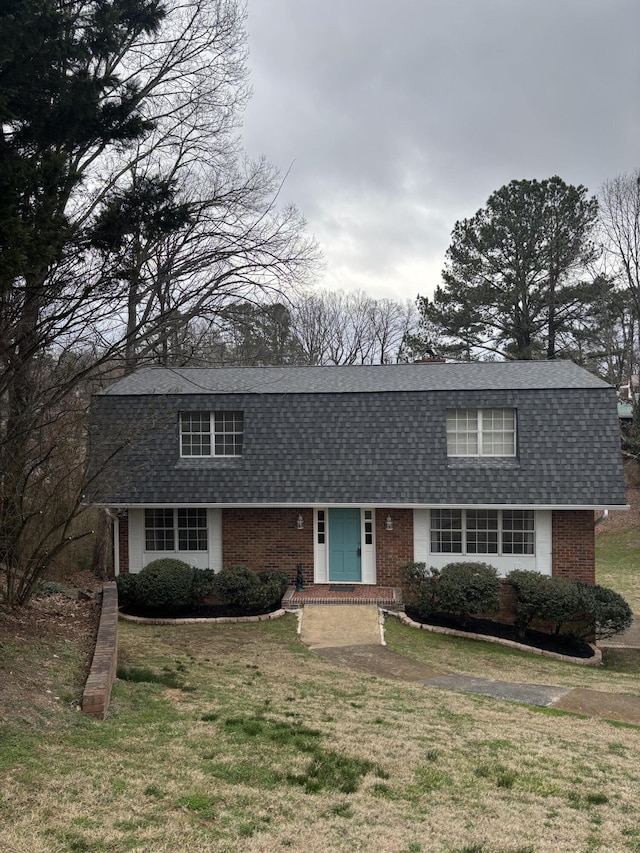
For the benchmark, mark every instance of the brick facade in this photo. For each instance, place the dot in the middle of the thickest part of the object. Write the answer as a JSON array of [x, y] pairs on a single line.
[[268, 539], [394, 548], [574, 545], [123, 541]]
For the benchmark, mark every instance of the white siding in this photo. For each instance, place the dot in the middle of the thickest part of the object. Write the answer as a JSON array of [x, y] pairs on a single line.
[[210, 559], [540, 561], [421, 536], [320, 567]]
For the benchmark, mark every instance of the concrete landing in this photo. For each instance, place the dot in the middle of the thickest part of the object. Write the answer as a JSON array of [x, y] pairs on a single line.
[[337, 625]]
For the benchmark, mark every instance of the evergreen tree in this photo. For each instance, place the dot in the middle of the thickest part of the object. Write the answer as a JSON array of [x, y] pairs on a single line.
[[512, 283]]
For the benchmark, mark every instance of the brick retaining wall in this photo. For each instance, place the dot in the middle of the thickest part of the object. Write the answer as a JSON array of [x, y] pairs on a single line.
[[97, 690]]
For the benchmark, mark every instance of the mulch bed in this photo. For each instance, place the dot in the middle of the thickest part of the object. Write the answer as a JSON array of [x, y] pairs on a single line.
[[537, 639], [204, 611]]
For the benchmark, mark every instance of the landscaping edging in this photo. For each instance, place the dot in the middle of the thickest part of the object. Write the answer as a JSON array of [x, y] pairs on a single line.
[[97, 689], [596, 660], [145, 620]]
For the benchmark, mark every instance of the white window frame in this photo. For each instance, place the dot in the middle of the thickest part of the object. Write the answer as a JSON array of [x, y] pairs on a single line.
[[472, 432], [455, 532], [180, 526], [226, 426]]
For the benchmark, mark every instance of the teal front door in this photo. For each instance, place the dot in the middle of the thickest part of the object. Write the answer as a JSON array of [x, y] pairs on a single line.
[[344, 545]]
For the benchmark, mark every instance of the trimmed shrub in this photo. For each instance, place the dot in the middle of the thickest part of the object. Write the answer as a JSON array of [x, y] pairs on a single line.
[[244, 590], [533, 595], [165, 583], [127, 590], [202, 584], [586, 607], [275, 583], [466, 589], [607, 609], [545, 599], [420, 585]]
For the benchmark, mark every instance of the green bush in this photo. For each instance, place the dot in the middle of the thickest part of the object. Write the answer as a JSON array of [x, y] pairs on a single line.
[[242, 589], [420, 586], [48, 588], [275, 583], [607, 610], [545, 599], [165, 583], [127, 590], [557, 600], [202, 584], [465, 589], [533, 595]]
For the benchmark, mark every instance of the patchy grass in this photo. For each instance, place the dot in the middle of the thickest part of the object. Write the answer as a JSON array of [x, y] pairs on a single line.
[[457, 654], [292, 759], [617, 562]]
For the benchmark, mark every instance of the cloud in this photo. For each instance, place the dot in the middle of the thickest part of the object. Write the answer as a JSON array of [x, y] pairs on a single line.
[[398, 119]]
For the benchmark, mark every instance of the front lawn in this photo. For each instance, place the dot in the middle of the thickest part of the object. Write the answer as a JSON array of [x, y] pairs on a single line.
[[618, 563], [240, 739]]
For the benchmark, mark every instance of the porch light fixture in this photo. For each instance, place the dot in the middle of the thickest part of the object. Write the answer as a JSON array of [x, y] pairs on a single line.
[[300, 522], [389, 523]]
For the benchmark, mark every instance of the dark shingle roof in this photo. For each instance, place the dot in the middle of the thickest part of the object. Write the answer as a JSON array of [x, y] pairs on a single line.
[[352, 379], [309, 438]]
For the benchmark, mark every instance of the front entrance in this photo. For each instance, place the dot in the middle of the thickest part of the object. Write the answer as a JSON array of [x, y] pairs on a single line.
[[344, 545]]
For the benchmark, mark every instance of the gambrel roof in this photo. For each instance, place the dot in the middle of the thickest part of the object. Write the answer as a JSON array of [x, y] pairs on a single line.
[[360, 435]]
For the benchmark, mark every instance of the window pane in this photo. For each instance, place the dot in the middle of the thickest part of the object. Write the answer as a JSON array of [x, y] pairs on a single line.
[[462, 432], [498, 432], [195, 434], [228, 433], [158, 524], [518, 533], [192, 530], [446, 531], [482, 531]]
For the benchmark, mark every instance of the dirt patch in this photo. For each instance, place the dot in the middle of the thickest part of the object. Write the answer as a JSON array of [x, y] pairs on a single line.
[[379, 661], [45, 651], [608, 706]]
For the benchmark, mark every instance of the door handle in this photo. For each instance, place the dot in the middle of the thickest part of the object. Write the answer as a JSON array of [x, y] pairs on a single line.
[[359, 551]]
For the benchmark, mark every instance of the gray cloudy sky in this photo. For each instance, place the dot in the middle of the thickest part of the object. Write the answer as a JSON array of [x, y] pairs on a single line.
[[399, 118]]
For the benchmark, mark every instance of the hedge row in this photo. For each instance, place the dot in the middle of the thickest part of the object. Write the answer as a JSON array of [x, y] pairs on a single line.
[[463, 590], [170, 584]]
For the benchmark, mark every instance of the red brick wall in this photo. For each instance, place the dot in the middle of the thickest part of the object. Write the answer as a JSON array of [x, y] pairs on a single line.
[[123, 540], [268, 539], [573, 545], [394, 548]]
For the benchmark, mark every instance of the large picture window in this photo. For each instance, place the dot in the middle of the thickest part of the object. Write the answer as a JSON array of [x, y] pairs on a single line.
[[164, 528], [482, 531], [211, 433], [481, 432]]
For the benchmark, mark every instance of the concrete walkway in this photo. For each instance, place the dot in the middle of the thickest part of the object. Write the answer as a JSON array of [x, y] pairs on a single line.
[[352, 636]]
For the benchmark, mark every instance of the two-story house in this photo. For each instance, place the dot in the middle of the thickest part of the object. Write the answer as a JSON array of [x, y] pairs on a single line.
[[353, 471]]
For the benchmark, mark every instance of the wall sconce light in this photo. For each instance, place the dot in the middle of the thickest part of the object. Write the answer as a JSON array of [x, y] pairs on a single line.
[[300, 522], [389, 523]]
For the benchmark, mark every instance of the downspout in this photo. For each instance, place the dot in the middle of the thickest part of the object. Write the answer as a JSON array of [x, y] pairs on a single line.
[[603, 517], [114, 516]]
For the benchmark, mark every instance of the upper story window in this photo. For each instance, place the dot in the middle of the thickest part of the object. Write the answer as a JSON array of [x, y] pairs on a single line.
[[481, 432], [211, 433]]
